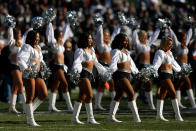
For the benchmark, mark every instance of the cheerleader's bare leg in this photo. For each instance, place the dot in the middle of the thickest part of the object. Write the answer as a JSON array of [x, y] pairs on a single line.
[[41, 89], [179, 84], [149, 94], [137, 89], [112, 89], [189, 92], [127, 87], [98, 96], [17, 86], [160, 101], [30, 92], [115, 103], [52, 96], [86, 95], [65, 90]]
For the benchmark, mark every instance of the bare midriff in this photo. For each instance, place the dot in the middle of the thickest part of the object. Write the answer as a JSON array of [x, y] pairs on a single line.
[[144, 57], [59, 58], [105, 57], [167, 67], [88, 65], [14, 58], [183, 58], [124, 66]]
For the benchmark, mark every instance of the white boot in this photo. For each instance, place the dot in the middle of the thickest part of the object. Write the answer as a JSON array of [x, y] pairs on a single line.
[[133, 106], [178, 94], [89, 110], [76, 112], [160, 110], [36, 103], [30, 116], [113, 109], [149, 97], [112, 94], [98, 99], [52, 102], [191, 97], [136, 95], [23, 99], [176, 110], [68, 101], [12, 108]]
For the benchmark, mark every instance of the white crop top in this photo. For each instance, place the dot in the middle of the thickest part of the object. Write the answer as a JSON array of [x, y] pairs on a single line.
[[11, 41], [99, 41], [162, 58], [27, 54], [81, 56], [58, 48], [67, 33], [140, 48], [177, 44], [118, 56]]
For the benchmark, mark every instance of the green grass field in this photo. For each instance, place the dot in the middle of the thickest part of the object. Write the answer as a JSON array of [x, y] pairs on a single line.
[[61, 121]]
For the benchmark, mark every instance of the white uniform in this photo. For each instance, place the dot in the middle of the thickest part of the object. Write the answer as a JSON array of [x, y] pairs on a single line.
[[118, 56]]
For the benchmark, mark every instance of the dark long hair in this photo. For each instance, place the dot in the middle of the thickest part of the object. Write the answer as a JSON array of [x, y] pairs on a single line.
[[57, 33], [83, 40], [31, 36], [117, 43]]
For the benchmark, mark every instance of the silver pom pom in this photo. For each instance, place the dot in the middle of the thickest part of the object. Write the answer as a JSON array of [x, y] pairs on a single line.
[[71, 17], [74, 77], [45, 71], [107, 75], [189, 21], [133, 23], [122, 19], [49, 15], [37, 22], [32, 73], [98, 19], [185, 71], [147, 74], [10, 21], [163, 23]]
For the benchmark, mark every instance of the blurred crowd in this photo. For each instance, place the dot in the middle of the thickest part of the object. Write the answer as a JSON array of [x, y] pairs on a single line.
[[145, 11]]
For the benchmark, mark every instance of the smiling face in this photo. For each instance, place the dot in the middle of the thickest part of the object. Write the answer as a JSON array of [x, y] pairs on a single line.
[[166, 44], [90, 41], [125, 42], [37, 39], [106, 37]]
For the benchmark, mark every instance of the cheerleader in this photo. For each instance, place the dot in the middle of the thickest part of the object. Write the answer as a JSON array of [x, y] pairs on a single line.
[[15, 43], [122, 65], [56, 41], [30, 59], [103, 44], [84, 60], [182, 58], [142, 46], [165, 62]]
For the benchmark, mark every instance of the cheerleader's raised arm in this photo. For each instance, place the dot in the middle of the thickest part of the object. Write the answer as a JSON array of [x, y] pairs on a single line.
[[189, 34], [67, 33]]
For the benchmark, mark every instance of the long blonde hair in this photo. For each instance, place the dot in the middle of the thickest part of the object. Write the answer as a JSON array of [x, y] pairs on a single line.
[[142, 34]]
